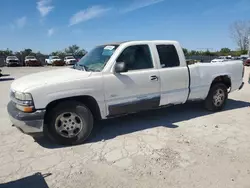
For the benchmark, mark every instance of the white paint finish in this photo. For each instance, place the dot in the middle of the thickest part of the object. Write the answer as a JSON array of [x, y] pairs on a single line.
[[51, 78], [107, 87], [174, 85], [203, 74], [48, 86], [133, 85], [9, 58], [68, 59], [50, 60], [130, 86], [174, 80]]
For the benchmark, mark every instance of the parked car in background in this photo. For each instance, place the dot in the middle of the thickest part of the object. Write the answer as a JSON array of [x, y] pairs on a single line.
[[12, 61], [31, 61], [247, 62], [69, 60], [236, 58], [113, 80], [221, 59], [54, 61]]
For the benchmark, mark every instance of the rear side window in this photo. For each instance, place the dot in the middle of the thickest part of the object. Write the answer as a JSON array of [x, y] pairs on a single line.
[[168, 56]]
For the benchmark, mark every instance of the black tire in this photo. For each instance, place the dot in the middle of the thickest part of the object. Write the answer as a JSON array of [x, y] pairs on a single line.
[[210, 103], [78, 108]]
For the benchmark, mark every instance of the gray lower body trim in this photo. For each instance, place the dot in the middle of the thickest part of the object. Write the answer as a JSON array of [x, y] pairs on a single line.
[[134, 106], [28, 123]]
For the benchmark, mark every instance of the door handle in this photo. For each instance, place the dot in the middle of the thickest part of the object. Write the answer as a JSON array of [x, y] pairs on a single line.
[[154, 78]]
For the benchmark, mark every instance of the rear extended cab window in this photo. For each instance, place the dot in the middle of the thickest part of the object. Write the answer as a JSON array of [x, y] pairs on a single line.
[[168, 55]]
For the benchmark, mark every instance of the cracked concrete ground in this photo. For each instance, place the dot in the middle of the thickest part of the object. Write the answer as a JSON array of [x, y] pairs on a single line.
[[181, 146]]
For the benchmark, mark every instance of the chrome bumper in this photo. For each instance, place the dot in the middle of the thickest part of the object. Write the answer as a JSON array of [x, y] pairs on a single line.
[[28, 123]]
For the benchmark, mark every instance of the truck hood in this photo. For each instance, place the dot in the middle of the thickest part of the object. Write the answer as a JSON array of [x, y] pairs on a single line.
[[34, 59], [55, 59], [70, 59], [48, 78], [15, 59]]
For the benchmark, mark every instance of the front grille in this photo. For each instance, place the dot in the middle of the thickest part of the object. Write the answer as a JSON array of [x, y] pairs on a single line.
[[13, 61]]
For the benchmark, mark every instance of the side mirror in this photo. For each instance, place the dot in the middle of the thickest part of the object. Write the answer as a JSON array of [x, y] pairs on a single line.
[[121, 67]]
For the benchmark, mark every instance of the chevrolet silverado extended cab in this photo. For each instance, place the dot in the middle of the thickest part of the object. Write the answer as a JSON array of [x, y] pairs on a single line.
[[113, 80]]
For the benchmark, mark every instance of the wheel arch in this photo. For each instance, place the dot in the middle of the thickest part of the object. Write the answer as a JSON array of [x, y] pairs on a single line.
[[87, 100], [225, 79]]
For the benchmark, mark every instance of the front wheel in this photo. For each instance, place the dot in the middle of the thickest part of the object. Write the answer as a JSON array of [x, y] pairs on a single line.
[[217, 97], [69, 123]]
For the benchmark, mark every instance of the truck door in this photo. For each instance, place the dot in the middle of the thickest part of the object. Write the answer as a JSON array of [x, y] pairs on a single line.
[[174, 75], [138, 88]]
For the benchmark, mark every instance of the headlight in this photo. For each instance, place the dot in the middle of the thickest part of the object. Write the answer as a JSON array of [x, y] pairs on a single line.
[[23, 96], [23, 101]]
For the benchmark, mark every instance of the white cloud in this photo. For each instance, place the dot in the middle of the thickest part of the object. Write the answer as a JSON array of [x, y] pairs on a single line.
[[51, 31], [44, 7], [138, 4], [87, 14]]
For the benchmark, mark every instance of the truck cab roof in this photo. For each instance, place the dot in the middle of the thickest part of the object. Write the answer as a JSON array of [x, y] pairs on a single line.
[[140, 41]]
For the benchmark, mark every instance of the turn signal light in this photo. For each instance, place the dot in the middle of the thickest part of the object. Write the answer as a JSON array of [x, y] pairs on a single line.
[[28, 109]]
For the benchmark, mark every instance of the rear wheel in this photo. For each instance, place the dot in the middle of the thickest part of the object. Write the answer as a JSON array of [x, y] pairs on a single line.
[[217, 97], [69, 123]]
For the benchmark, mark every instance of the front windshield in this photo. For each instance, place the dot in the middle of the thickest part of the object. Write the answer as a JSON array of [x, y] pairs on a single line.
[[55, 57], [12, 57], [97, 58], [70, 57]]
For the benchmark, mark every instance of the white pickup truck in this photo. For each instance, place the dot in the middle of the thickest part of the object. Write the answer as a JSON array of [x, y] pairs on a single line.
[[69, 60], [113, 80], [12, 60], [52, 59]]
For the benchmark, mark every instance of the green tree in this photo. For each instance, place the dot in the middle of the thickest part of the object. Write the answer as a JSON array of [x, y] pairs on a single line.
[[75, 50], [225, 51], [6, 52], [185, 50], [208, 53], [26, 52], [61, 54], [193, 52]]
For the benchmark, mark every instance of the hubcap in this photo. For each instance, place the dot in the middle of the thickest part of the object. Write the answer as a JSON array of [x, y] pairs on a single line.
[[68, 124], [218, 97]]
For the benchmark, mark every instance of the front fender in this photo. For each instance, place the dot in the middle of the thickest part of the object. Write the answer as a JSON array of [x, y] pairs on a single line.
[[46, 94]]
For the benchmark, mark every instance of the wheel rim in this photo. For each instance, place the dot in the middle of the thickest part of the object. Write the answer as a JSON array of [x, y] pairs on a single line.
[[68, 124], [219, 97]]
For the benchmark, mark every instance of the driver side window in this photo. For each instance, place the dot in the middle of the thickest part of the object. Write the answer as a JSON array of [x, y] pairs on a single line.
[[136, 57]]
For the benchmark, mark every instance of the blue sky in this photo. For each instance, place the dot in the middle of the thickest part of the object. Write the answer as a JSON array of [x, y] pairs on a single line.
[[49, 25]]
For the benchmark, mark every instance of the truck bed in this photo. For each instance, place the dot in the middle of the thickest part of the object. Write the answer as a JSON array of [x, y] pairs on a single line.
[[201, 75]]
